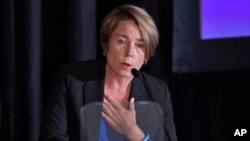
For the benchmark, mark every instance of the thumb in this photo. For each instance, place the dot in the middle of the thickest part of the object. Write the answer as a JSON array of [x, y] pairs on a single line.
[[132, 104]]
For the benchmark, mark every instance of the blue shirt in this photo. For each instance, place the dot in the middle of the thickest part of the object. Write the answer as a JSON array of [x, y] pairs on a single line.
[[108, 134]]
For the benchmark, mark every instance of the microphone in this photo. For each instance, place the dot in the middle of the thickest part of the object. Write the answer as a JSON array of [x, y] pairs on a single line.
[[137, 74]]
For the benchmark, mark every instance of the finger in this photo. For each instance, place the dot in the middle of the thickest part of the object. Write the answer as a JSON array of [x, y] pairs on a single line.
[[107, 118], [108, 108], [111, 122], [132, 104], [113, 117], [110, 116], [108, 104], [114, 114]]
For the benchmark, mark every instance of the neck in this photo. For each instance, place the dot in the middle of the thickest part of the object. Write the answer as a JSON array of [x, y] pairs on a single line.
[[117, 86]]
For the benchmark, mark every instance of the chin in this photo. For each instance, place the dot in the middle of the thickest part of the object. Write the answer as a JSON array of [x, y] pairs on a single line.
[[126, 74]]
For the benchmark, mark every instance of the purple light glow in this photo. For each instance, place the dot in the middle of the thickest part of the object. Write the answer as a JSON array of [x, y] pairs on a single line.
[[225, 18]]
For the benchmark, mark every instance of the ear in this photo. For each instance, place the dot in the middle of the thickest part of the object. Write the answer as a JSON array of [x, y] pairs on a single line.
[[105, 48]]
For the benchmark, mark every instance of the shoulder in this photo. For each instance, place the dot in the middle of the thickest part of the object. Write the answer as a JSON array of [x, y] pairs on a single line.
[[158, 87], [151, 80]]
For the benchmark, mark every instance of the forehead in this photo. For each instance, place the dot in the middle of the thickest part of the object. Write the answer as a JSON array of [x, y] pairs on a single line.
[[127, 28]]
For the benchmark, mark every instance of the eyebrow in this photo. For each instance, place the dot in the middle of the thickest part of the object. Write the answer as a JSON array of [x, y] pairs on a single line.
[[125, 36]]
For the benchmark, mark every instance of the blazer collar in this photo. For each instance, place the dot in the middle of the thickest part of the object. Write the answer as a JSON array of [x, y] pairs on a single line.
[[94, 87]]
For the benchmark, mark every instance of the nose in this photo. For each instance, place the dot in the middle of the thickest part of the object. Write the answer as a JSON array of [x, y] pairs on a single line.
[[130, 50]]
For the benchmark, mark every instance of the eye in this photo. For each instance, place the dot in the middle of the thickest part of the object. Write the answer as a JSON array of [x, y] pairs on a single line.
[[139, 45], [121, 41]]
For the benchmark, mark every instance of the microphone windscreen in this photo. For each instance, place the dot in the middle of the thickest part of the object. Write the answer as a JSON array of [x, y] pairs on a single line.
[[135, 72]]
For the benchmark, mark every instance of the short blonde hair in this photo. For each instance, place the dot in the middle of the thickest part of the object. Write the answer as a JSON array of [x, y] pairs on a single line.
[[146, 24]]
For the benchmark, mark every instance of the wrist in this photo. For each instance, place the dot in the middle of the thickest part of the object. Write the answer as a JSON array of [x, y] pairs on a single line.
[[136, 134], [146, 138]]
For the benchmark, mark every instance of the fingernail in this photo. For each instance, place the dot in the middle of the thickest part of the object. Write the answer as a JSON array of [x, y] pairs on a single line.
[[133, 99]]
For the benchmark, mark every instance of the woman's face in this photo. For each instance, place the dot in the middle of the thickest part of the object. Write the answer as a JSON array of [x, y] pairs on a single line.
[[125, 49]]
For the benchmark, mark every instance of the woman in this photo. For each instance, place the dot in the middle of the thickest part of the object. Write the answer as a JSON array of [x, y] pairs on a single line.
[[128, 38]]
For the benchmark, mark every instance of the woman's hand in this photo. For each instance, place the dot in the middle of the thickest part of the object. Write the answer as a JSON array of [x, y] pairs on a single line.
[[121, 118]]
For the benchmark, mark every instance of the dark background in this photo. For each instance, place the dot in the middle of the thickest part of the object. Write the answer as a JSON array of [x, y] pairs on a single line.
[[39, 35], [192, 54]]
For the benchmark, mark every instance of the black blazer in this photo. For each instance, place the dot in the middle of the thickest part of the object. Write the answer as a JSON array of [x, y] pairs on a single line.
[[77, 84]]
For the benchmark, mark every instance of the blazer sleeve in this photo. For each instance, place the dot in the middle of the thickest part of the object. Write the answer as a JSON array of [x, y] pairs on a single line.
[[55, 115], [162, 96], [168, 116]]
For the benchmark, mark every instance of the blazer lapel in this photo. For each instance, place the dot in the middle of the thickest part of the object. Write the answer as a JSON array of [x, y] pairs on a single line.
[[138, 90], [93, 91]]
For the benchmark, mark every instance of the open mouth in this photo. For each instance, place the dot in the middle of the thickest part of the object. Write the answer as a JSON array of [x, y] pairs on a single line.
[[126, 65]]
